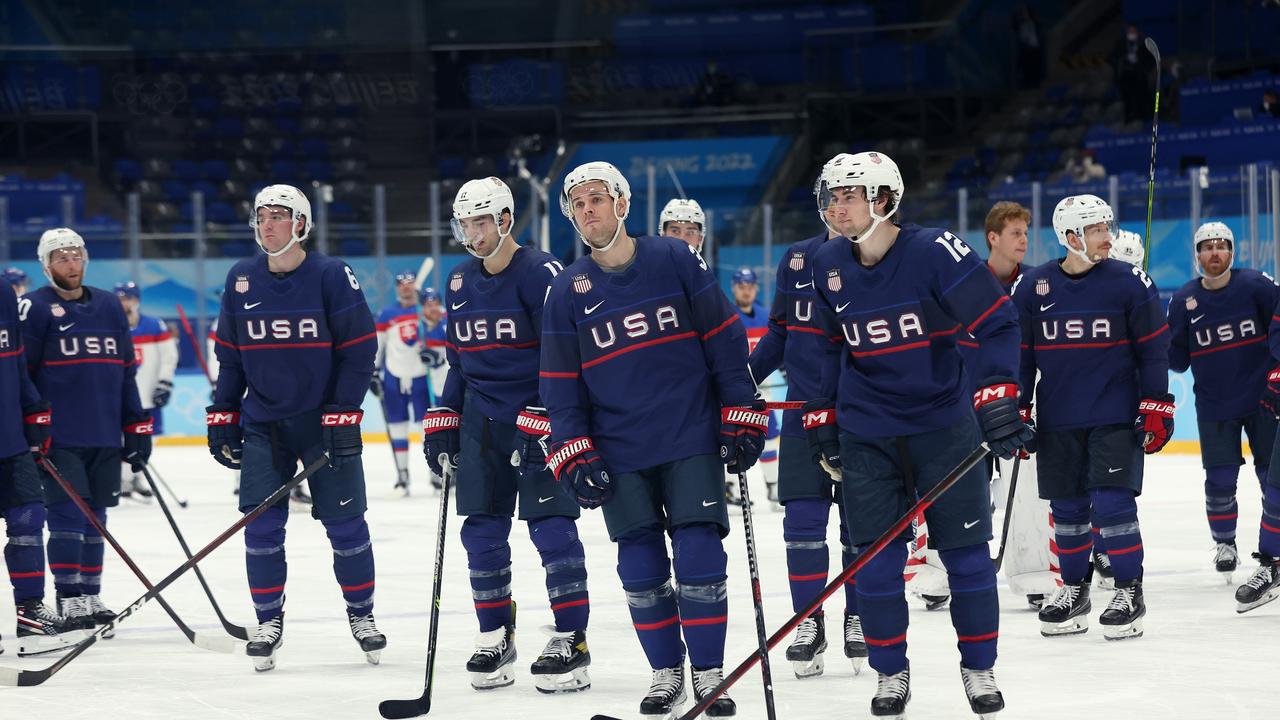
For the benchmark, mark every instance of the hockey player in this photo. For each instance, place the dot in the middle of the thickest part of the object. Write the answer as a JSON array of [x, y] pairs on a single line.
[[745, 286], [156, 353], [1087, 311], [82, 360], [399, 367], [435, 335], [1006, 235], [17, 279], [647, 313], [25, 426], [295, 332], [806, 491], [895, 412], [1218, 326], [684, 219], [489, 409], [1263, 585]]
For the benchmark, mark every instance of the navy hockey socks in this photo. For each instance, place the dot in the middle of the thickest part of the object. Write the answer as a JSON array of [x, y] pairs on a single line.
[[352, 562], [1269, 528], [1074, 536], [489, 558], [1115, 512], [91, 555], [264, 561], [883, 604], [66, 544], [24, 553], [1220, 501], [565, 563], [975, 607], [645, 572], [700, 565], [804, 530]]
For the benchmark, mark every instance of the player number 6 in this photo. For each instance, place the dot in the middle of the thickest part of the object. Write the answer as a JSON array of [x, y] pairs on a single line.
[[351, 278]]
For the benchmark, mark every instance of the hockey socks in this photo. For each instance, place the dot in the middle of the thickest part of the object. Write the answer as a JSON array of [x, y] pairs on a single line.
[[24, 552], [353, 562], [804, 530], [703, 597], [556, 539], [645, 572], [91, 555], [975, 607], [1074, 537], [66, 546], [265, 562], [883, 605], [1269, 528], [1220, 502], [1115, 513], [489, 559]]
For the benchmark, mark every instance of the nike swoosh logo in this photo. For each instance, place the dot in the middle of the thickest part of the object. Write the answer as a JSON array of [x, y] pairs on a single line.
[[971, 524], [344, 502], [1196, 319], [801, 286], [250, 306], [840, 308], [592, 309], [64, 327], [1046, 307], [455, 307], [1114, 470], [708, 503], [545, 499]]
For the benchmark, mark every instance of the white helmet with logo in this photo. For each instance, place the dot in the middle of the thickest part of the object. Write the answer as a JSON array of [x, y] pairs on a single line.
[[488, 196], [615, 184], [283, 196], [871, 171], [59, 239], [1214, 230], [1127, 247], [682, 210], [1076, 212]]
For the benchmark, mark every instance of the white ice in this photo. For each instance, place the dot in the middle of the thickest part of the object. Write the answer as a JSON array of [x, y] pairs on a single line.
[[1199, 659]]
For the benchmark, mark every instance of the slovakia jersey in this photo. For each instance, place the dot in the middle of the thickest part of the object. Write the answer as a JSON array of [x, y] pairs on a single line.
[[295, 341], [1222, 336], [155, 350], [643, 359], [81, 358], [1099, 340], [495, 330], [437, 340], [897, 324], [16, 389], [793, 339], [399, 343]]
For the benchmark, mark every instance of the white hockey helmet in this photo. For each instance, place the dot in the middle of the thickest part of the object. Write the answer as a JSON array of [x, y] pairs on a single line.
[[58, 239], [682, 210], [1214, 230], [871, 171], [1076, 212], [615, 184], [283, 196], [487, 196], [1127, 247]]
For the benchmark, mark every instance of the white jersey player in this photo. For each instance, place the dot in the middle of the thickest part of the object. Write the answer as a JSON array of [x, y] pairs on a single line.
[[400, 375], [155, 351]]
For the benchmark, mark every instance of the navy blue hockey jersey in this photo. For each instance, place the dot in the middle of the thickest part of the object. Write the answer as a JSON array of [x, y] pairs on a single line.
[[1221, 335], [642, 360], [494, 333], [16, 389], [81, 358], [295, 341], [898, 322], [1100, 342]]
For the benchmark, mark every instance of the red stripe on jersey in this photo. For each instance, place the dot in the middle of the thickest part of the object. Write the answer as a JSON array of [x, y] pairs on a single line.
[[148, 339], [354, 588], [658, 625], [886, 351], [1228, 346], [694, 622], [798, 328], [281, 346], [500, 346], [382, 326], [11, 353], [81, 361], [564, 375], [433, 342], [722, 326], [355, 341], [886, 643], [1157, 332], [983, 316], [220, 341], [944, 333], [966, 343], [1082, 346], [648, 343]]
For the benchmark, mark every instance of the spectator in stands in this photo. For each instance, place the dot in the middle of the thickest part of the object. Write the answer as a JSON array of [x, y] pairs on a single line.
[[1030, 58], [1085, 167], [1270, 106], [1133, 66]]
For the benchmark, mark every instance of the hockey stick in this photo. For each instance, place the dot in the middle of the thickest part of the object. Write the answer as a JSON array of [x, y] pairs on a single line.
[[182, 503], [215, 644], [1008, 511], [757, 603], [784, 405], [232, 629], [195, 344], [27, 678], [422, 705], [872, 550], [1151, 172]]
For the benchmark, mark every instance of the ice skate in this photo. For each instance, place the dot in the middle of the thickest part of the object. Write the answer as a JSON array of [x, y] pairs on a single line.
[[666, 694], [402, 483], [893, 692], [984, 695], [1123, 617], [493, 663], [935, 602], [731, 495], [1035, 601], [1262, 587], [100, 614], [1102, 567], [1068, 612], [1226, 559], [75, 612], [562, 666], [371, 640], [704, 681], [805, 652], [41, 631], [855, 645], [266, 640], [300, 496]]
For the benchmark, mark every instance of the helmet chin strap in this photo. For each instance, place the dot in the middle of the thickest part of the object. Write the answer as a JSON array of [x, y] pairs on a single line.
[[49, 275], [496, 246]]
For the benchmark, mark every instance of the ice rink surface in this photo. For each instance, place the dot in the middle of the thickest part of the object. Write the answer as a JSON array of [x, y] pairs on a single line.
[[1198, 659]]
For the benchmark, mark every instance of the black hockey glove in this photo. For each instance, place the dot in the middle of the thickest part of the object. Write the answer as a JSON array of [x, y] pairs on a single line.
[[340, 432], [37, 426], [533, 433], [164, 390], [824, 436], [1271, 393], [375, 386], [742, 432], [431, 357], [1154, 424], [1025, 413], [226, 437], [137, 443], [996, 404], [440, 437], [576, 463]]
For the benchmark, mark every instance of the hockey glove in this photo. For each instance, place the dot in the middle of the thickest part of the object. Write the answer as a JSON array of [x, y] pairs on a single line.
[[577, 463], [37, 426], [163, 391], [742, 432], [824, 435], [996, 404], [137, 443], [1271, 393], [1154, 424], [533, 433], [226, 438], [340, 433], [375, 386], [440, 437], [1032, 446]]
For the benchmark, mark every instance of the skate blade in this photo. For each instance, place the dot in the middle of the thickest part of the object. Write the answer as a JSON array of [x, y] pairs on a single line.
[[504, 676], [1074, 626], [808, 668], [1106, 583], [1124, 632], [373, 657], [857, 663], [671, 713], [571, 682], [33, 646], [932, 605], [1246, 607], [264, 664]]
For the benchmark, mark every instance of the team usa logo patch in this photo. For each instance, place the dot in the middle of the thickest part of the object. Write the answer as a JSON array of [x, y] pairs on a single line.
[[242, 284], [581, 284], [874, 158], [56, 310], [833, 281], [1042, 287], [1191, 303], [455, 282], [797, 262]]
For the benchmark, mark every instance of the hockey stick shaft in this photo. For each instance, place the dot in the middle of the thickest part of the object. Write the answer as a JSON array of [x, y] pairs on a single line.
[[195, 344], [422, 705], [28, 678], [784, 405], [748, 531], [92, 517], [382, 403], [232, 629], [1008, 511], [182, 502], [1151, 171]]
